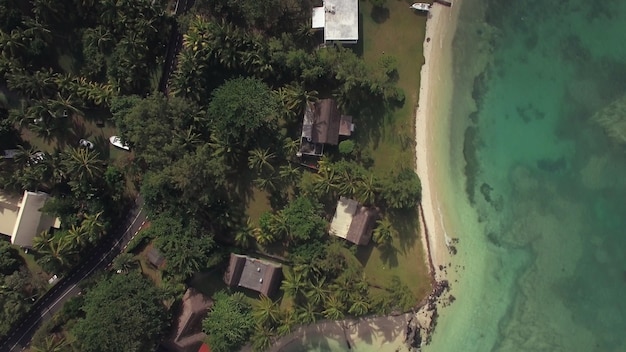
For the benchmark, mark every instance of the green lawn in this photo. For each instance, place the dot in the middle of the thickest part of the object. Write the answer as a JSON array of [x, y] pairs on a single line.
[[398, 32], [258, 203]]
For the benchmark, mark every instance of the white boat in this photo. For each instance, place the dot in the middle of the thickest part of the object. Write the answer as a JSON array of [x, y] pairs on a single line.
[[117, 141], [420, 6]]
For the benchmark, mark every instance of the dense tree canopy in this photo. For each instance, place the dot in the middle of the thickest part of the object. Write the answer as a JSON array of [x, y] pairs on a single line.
[[122, 313], [186, 247], [402, 189], [156, 127], [229, 324], [244, 112], [10, 259]]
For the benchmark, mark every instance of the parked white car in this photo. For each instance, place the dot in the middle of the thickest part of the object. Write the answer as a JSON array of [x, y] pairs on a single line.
[[85, 143]]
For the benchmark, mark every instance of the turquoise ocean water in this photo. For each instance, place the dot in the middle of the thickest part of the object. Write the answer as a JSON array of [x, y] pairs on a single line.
[[544, 158]]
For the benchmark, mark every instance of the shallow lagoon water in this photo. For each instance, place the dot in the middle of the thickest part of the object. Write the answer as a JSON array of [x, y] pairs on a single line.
[[545, 259]]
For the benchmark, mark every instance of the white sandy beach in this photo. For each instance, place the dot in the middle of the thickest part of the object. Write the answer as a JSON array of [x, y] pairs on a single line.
[[434, 104], [387, 334]]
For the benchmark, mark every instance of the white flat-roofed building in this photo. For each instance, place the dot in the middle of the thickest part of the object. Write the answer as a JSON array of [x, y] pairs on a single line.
[[339, 19]]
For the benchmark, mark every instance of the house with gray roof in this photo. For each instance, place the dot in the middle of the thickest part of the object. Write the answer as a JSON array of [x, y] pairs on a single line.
[[353, 222], [323, 124], [254, 274]]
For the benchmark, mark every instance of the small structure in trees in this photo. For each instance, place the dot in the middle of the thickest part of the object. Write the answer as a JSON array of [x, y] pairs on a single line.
[[353, 222], [339, 19], [254, 274], [322, 124], [22, 219], [156, 258], [188, 335]]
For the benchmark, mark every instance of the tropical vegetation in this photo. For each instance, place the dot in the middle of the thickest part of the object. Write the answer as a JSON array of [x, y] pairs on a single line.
[[211, 125]]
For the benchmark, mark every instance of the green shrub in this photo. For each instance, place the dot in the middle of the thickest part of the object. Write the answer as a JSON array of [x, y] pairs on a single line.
[[346, 148]]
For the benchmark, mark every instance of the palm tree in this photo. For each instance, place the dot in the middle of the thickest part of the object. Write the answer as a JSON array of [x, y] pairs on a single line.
[[125, 262], [334, 308], [222, 149], [264, 238], [262, 338], [367, 189], [52, 343], [307, 268], [76, 237], [11, 43], [290, 147], [261, 160], [306, 313], [172, 289], [83, 164], [289, 174], [317, 291], [42, 241], [288, 320], [266, 183], [279, 226], [188, 138], [58, 253], [359, 307], [296, 97], [246, 234], [348, 185], [326, 181], [293, 283], [265, 311], [93, 226], [384, 231]]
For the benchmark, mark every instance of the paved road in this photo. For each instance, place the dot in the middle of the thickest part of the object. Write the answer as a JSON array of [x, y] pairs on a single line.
[[173, 47], [22, 332]]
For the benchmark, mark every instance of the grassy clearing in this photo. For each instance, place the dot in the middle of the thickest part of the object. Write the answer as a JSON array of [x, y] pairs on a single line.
[[79, 127], [33, 267], [398, 32], [258, 203]]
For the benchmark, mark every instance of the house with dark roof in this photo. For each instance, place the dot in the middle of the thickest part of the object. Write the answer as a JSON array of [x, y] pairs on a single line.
[[187, 335], [323, 124], [353, 222], [254, 274]]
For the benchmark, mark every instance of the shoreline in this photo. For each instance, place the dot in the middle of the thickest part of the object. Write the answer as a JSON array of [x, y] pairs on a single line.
[[433, 106], [431, 116], [409, 331]]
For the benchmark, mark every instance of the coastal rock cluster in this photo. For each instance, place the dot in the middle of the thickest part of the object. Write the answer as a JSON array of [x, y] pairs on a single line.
[[421, 325]]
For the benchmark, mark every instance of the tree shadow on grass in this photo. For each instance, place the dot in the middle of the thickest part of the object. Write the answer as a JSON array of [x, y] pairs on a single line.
[[363, 253], [406, 222], [389, 254], [379, 14]]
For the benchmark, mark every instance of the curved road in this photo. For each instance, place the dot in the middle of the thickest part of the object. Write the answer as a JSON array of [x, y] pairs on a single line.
[[21, 333]]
